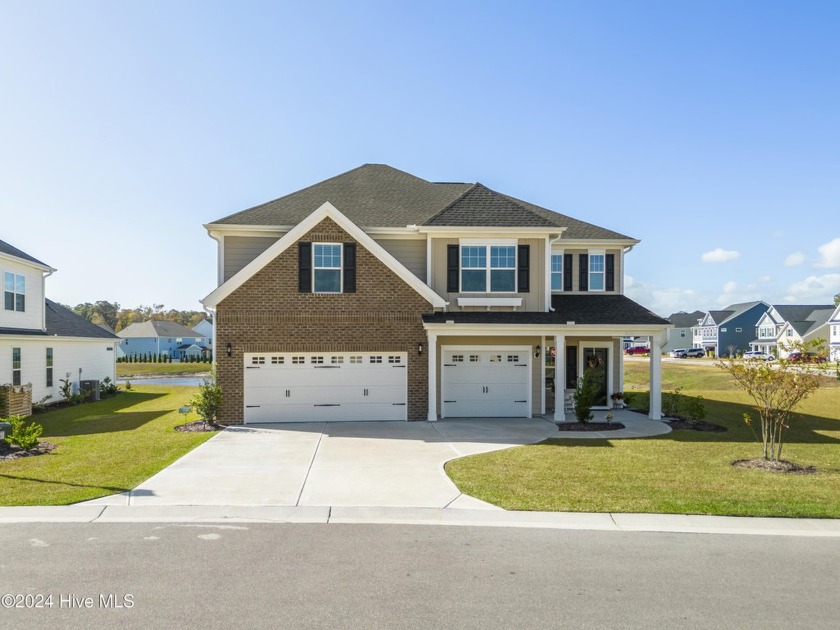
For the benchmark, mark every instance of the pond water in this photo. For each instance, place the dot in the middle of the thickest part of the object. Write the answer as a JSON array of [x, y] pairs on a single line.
[[181, 381]]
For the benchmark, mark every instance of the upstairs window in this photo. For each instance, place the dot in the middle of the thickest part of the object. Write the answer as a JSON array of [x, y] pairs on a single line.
[[557, 272], [15, 292], [499, 276], [326, 267], [597, 270]]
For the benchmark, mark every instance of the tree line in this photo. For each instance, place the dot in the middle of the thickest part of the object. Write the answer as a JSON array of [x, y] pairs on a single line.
[[117, 317]]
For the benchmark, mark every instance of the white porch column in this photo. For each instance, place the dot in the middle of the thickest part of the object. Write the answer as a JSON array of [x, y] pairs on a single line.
[[559, 378], [432, 397], [655, 377], [619, 387]]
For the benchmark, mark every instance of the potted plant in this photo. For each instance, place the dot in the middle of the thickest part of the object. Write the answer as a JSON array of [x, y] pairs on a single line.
[[618, 400]]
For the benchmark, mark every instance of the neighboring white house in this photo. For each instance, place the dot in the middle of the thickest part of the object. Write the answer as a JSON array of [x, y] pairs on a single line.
[[834, 334], [41, 342], [205, 329], [681, 335], [784, 324]]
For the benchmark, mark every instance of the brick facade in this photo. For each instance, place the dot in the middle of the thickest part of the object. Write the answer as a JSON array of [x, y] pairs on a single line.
[[268, 314]]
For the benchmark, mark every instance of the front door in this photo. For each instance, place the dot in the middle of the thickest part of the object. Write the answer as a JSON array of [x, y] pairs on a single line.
[[596, 360]]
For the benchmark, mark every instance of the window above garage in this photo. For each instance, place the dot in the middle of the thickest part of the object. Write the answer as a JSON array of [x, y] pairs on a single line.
[[479, 266]]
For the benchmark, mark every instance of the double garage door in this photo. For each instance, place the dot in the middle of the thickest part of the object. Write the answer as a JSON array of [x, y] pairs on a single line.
[[491, 383], [325, 387]]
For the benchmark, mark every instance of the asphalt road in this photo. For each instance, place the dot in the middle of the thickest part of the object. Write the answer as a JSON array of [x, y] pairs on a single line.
[[394, 576]]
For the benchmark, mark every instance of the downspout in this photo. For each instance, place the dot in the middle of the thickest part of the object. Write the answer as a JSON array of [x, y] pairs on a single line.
[[46, 275], [625, 251]]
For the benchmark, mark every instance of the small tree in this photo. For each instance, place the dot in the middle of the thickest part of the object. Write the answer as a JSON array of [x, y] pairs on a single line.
[[208, 400], [776, 391], [585, 395]]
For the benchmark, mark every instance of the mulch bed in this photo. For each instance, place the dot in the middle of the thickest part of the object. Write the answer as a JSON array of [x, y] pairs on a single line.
[[199, 426], [589, 426], [9, 452], [782, 466], [697, 426]]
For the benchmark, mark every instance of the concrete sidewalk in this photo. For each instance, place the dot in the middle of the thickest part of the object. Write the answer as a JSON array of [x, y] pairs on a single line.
[[675, 523]]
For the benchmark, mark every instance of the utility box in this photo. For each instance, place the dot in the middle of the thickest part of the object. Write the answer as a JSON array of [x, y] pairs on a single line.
[[89, 389]]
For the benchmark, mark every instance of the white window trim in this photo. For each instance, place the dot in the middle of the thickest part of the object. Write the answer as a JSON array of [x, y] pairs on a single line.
[[340, 269], [488, 244], [14, 291], [551, 272], [589, 272]]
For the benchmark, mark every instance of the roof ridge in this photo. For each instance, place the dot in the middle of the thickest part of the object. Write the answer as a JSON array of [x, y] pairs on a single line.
[[452, 203], [513, 200]]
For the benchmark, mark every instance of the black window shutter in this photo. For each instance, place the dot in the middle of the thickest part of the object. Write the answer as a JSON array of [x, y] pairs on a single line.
[[349, 267], [524, 269], [583, 281], [304, 267], [568, 261], [610, 275], [452, 268]]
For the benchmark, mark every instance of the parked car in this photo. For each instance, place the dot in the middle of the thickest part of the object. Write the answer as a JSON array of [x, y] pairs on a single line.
[[806, 357], [697, 353], [758, 355], [637, 350], [679, 353]]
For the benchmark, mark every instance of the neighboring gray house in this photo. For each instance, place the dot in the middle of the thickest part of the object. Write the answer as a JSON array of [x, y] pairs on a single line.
[[834, 335], [729, 330], [158, 337], [680, 336], [787, 323]]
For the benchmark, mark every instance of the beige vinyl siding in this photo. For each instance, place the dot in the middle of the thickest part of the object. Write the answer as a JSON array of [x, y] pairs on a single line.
[[531, 301], [410, 252], [576, 267], [240, 250]]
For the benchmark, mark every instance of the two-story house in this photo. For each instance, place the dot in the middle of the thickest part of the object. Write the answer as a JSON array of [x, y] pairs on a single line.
[[728, 331], [161, 338], [377, 295], [834, 335], [682, 335], [784, 324], [41, 342]]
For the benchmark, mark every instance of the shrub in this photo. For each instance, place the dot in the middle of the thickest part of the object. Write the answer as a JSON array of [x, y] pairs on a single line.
[[584, 396], [693, 410], [208, 400], [23, 435], [671, 403], [107, 388]]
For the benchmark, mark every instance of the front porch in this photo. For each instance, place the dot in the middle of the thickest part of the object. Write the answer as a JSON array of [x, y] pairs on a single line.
[[635, 424]]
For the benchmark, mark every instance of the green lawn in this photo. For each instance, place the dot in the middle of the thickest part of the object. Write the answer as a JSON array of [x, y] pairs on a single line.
[[684, 472], [103, 448], [163, 369]]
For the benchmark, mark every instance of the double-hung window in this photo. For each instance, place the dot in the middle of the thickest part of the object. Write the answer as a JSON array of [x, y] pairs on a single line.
[[14, 291], [15, 366], [49, 367], [488, 268], [326, 267], [557, 272], [597, 271]]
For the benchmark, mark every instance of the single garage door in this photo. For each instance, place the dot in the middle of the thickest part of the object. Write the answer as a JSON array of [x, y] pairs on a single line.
[[494, 383], [332, 387]]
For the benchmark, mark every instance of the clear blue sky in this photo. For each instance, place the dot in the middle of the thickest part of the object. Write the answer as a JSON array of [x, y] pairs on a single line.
[[709, 130]]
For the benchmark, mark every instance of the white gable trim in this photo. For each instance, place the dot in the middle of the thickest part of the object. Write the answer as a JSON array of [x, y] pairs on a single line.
[[326, 210]]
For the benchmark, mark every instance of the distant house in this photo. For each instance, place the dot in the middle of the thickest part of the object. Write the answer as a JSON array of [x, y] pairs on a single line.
[[41, 342], [784, 324], [680, 336], [163, 338], [728, 331], [834, 335], [205, 329]]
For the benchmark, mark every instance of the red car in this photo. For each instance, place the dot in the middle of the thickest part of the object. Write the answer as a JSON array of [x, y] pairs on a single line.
[[637, 350], [806, 357]]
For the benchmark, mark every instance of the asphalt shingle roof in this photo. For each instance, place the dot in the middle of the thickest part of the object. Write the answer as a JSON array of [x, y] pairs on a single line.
[[156, 328], [65, 323], [685, 320], [581, 309], [377, 195], [11, 250]]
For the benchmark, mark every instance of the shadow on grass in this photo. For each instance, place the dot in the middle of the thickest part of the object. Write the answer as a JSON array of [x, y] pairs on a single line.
[[803, 428], [105, 416], [110, 489]]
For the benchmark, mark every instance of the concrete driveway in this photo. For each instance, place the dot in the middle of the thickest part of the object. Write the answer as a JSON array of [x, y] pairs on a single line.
[[350, 464]]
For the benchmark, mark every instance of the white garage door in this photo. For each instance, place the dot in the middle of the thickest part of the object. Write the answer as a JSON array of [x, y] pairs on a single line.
[[478, 382], [318, 387]]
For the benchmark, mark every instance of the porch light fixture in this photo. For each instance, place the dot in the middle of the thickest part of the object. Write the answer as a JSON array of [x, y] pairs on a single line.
[[420, 348], [229, 349], [537, 352]]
